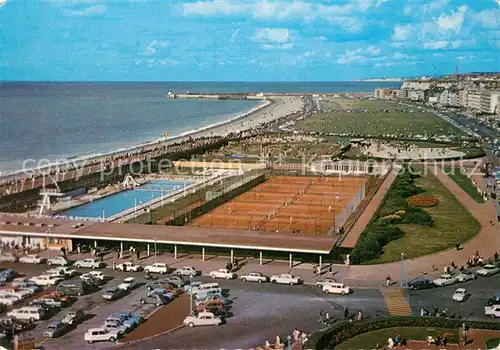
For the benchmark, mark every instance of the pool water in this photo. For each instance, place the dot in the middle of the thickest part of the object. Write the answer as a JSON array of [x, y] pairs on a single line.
[[121, 201]]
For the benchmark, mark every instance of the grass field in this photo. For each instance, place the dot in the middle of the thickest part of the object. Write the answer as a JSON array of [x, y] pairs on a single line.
[[466, 183], [371, 339], [493, 343], [381, 118], [452, 224]]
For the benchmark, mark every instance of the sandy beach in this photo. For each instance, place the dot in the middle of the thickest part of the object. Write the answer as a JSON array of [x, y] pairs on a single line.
[[276, 108]]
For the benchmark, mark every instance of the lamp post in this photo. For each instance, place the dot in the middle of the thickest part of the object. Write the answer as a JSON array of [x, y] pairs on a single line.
[[191, 295], [402, 278], [47, 245], [289, 339], [155, 250]]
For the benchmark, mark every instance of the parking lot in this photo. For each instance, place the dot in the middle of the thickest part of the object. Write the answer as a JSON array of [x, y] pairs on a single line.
[[257, 311]]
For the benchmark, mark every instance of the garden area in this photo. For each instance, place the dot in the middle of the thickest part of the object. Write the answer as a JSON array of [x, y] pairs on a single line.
[[462, 180], [375, 118], [418, 216]]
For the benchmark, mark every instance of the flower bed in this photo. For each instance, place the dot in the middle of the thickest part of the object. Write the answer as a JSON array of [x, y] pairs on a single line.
[[423, 200]]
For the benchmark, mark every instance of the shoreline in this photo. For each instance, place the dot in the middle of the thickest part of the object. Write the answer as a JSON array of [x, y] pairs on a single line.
[[271, 108]]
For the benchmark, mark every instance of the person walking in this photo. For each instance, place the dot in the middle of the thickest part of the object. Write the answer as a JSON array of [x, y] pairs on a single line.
[[388, 281], [346, 313], [330, 270], [321, 317], [114, 265]]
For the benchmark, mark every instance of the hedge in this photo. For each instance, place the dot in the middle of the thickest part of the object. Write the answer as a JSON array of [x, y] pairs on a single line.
[[394, 210], [331, 337]]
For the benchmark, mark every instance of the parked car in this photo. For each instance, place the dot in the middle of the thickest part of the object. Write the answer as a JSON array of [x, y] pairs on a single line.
[[169, 296], [68, 272], [115, 322], [155, 299], [74, 287], [465, 276], [57, 260], [176, 280], [8, 257], [8, 300], [420, 284], [25, 283], [325, 282], [493, 300], [488, 270], [56, 329], [74, 317], [97, 275], [130, 318], [89, 263], [285, 278], [493, 310], [254, 277], [336, 288], [128, 283], [192, 287], [186, 271], [445, 280], [29, 313], [7, 275], [157, 268], [222, 273], [202, 319], [100, 334], [202, 297], [461, 294], [128, 266], [22, 293], [210, 304], [113, 293], [117, 327], [50, 302], [32, 259], [46, 280]]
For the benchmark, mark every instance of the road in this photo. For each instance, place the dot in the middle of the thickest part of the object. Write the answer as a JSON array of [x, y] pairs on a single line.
[[259, 311]]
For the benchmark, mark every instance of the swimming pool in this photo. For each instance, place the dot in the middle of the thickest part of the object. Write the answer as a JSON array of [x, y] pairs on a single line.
[[121, 201]]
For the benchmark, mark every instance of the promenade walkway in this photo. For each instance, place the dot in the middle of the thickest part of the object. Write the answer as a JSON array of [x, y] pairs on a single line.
[[487, 242]]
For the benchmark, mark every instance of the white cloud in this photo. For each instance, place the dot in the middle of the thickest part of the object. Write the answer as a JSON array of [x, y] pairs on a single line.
[[498, 2], [454, 21], [381, 2], [461, 43], [488, 18], [153, 46], [213, 8], [434, 5], [273, 35], [408, 10], [88, 11], [286, 46], [435, 45], [358, 55], [402, 33], [372, 50], [398, 55]]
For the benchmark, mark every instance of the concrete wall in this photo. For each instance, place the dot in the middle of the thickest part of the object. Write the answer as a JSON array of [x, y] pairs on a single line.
[[219, 165]]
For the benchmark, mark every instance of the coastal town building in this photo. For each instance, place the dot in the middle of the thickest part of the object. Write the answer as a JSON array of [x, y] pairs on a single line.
[[474, 101], [385, 94], [416, 95], [489, 102]]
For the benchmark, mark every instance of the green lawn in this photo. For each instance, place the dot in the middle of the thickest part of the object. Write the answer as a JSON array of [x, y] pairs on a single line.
[[371, 339], [492, 343], [399, 120], [463, 181], [452, 224]]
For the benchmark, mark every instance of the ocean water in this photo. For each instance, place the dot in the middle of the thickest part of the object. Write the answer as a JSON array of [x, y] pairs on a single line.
[[59, 120]]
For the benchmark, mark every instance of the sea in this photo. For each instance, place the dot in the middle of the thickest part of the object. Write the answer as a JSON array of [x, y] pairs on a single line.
[[43, 122]]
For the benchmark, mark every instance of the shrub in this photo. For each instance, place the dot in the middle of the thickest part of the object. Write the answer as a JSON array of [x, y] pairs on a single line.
[[417, 218], [331, 337], [423, 201]]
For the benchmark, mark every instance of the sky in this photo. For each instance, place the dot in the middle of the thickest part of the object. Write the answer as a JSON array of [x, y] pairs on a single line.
[[231, 40]]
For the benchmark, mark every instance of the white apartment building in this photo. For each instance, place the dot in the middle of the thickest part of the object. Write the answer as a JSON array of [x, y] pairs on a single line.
[[462, 97], [489, 102], [474, 100], [416, 95]]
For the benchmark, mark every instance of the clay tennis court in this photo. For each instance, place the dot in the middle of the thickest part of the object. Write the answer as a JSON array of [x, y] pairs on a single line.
[[292, 204]]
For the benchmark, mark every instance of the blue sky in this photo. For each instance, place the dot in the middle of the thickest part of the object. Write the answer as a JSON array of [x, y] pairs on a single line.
[[230, 40]]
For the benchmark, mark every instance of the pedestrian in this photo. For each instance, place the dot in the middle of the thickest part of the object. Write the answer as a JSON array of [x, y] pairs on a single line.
[[314, 269], [346, 313], [388, 281], [330, 270], [138, 253], [114, 265], [318, 270], [457, 246], [117, 254], [78, 248], [321, 317]]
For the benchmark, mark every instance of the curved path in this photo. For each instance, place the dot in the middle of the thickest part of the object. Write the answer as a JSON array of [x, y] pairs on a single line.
[[487, 242]]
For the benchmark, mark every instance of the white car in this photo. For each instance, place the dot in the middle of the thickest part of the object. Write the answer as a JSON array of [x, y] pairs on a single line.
[[285, 278], [32, 259], [186, 271], [325, 282], [89, 263], [445, 280], [28, 313], [8, 257], [254, 277], [46, 280], [336, 288], [202, 319], [67, 271], [128, 266], [461, 294], [97, 275], [100, 334], [157, 268], [465, 276], [22, 293], [222, 273], [8, 300], [493, 311], [55, 272], [57, 260], [488, 270], [128, 283]]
